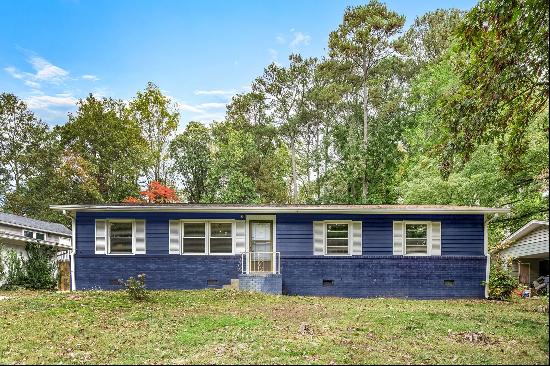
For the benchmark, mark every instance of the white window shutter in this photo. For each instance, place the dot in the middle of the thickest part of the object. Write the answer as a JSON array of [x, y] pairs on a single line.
[[240, 236], [140, 236], [100, 236], [174, 246], [357, 238], [318, 238], [436, 239], [398, 238]]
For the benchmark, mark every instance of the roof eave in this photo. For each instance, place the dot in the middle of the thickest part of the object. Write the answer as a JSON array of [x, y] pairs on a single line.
[[261, 209]]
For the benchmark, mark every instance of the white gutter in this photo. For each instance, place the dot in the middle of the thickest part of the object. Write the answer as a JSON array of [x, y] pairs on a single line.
[[267, 209], [73, 243]]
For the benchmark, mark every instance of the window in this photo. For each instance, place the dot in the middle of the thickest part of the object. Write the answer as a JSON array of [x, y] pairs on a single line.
[[194, 238], [34, 235], [416, 238], [120, 237], [207, 237], [221, 238], [337, 239]]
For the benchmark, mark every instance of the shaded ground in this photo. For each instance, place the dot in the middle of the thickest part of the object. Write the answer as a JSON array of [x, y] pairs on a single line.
[[214, 326]]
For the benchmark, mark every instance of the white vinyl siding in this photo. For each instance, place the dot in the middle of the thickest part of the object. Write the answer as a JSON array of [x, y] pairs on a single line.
[[533, 243]]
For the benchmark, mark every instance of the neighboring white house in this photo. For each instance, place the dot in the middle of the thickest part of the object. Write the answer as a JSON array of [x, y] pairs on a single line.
[[528, 250], [16, 231]]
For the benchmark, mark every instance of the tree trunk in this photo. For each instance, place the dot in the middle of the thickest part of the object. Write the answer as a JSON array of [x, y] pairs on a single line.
[[317, 164], [294, 172], [365, 134]]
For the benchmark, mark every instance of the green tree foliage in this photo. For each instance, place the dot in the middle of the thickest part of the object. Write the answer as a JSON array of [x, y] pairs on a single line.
[[107, 145], [431, 35], [363, 42], [503, 69], [190, 153], [452, 111], [158, 118], [22, 139]]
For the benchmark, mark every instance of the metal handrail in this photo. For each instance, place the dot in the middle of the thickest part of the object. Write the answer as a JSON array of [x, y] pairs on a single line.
[[261, 262]]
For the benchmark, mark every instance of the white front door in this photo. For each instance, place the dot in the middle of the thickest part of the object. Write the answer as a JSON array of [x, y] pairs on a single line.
[[261, 246]]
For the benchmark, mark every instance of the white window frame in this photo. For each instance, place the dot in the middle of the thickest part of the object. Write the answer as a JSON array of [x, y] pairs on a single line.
[[350, 237], [34, 234], [428, 237], [108, 236], [207, 235]]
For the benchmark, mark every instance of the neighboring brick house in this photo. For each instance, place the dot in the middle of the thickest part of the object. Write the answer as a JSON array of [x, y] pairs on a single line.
[[326, 250]]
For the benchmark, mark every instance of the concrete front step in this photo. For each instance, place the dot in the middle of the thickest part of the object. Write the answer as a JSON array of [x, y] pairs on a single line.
[[234, 284]]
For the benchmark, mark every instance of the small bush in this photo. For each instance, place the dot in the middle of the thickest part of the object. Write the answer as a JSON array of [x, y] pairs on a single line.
[[40, 267], [15, 273], [135, 287], [501, 281], [36, 272]]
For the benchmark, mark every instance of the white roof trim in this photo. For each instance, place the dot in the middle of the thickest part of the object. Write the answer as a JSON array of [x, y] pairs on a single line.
[[286, 209], [526, 229], [24, 239], [34, 228]]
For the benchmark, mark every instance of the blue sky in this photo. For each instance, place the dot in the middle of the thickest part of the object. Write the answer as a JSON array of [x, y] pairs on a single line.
[[200, 53]]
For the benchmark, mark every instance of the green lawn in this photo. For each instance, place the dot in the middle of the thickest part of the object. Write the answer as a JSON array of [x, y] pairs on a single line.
[[214, 326]]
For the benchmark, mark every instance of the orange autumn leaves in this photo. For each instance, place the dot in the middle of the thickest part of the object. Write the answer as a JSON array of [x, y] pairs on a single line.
[[155, 193]]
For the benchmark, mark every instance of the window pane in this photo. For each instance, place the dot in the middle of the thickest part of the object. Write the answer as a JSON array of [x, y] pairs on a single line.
[[417, 231], [28, 234], [40, 236], [120, 237], [221, 245], [416, 249], [337, 231], [337, 246], [220, 229], [193, 245], [193, 229]]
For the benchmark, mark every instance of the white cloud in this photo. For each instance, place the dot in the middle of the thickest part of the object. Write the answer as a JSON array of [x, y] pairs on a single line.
[[47, 101], [215, 92], [206, 106], [90, 77], [13, 72], [300, 39], [32, 84], [280, 39], [47, 71]]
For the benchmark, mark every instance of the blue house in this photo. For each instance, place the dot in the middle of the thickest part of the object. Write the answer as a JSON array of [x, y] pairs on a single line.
[[325, 250]]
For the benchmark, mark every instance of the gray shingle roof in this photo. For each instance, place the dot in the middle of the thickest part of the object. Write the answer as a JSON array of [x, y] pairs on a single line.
[[26, 222]]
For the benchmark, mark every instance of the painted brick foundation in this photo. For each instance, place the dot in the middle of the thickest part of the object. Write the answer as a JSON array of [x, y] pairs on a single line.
[[183, 272], [266, 283], [385, 276], [364, 276]]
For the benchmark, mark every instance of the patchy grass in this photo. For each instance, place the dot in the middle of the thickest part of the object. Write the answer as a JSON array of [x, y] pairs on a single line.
[[229, 327]]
